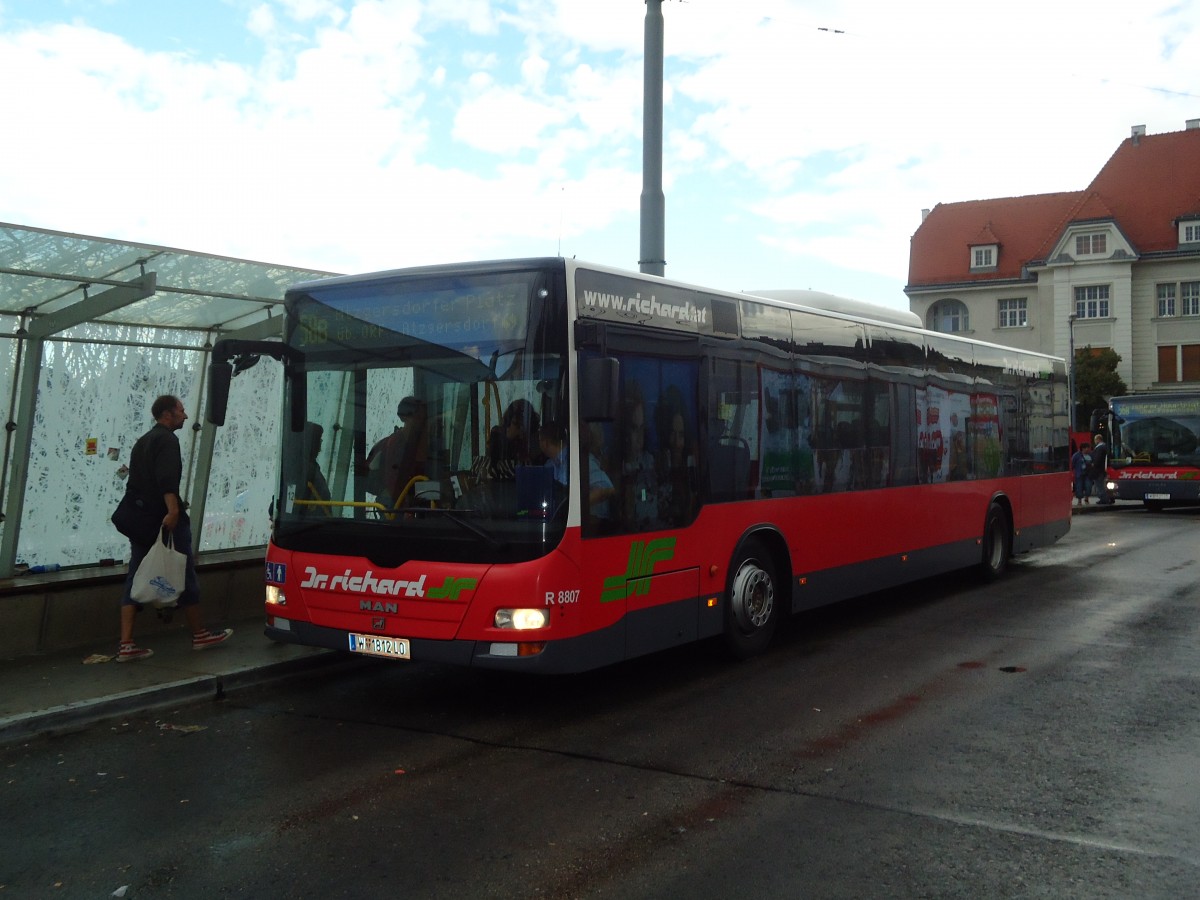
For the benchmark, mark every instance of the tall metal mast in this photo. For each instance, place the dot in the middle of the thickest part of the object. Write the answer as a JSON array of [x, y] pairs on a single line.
[[653, 248]]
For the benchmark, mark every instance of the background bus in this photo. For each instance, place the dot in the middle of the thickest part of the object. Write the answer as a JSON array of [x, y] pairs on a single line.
[[545, 465], [1155, 447]]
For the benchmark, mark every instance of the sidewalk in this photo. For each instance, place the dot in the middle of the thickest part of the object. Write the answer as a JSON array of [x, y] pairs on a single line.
[[65, 691], [1097, 506]]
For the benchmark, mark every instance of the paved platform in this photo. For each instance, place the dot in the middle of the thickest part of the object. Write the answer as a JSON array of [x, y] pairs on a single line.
[[65, 691]]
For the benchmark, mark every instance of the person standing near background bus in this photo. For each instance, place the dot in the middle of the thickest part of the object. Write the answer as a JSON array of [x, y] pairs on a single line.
[[1081, 472], [1100, 471]]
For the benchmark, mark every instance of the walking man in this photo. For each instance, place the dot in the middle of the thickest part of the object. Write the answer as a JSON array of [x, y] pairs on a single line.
[[155, 470], [1100, 471]]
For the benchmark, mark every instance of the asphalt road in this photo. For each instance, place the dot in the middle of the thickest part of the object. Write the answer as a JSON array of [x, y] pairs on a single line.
[[1038, 737]]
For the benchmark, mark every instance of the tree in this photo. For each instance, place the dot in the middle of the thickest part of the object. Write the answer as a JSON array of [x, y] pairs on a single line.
[[1096, 380]]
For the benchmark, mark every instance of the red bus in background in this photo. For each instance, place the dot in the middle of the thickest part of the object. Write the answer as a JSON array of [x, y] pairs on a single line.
[[1154, 447], [587, 465]]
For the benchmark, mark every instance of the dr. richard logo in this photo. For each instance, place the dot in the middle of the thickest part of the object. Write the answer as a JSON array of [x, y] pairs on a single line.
[[362, 584], [452, 588]]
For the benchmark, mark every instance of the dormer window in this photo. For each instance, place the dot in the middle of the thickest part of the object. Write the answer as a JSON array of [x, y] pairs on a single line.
[[1091, 244], [984, 256], [1189, 232]]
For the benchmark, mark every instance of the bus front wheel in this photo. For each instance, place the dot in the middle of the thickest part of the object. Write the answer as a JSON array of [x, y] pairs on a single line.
[[752, 602], [996, 543]]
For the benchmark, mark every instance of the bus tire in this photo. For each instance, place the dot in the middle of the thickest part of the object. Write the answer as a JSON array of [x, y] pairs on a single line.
[[752, 601], [996, 543]]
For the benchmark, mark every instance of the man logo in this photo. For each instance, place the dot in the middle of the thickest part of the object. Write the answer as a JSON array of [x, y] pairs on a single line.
[[379, 623]]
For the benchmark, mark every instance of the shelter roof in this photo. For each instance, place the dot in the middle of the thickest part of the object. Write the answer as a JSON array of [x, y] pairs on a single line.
[[44, 272]]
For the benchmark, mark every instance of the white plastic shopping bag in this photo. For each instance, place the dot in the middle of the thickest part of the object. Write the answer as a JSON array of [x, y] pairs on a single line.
[[158, 581]]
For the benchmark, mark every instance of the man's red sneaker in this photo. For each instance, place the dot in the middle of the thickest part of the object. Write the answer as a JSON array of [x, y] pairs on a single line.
[[131, 652], [202, 640]]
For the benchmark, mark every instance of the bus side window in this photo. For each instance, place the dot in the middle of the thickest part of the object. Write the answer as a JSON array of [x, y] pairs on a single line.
[[732, 438]]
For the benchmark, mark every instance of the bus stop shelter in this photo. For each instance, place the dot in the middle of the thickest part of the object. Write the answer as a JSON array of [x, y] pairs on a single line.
[[91, 330]]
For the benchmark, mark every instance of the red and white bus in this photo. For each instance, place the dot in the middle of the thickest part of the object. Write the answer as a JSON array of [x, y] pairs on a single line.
[[726, 459], [1154, 452]]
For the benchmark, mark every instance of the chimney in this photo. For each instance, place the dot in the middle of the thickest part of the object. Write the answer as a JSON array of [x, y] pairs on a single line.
[[924, 214], [1137, 133], [1192, 124]]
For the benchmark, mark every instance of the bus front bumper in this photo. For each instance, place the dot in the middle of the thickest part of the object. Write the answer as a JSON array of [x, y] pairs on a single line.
[[575, 654]]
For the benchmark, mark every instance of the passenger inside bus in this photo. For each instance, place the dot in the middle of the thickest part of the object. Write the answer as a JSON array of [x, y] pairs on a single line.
[[401, 455], [677, 461], [553, 447], [600, 485], [315, 487], [512, 443]]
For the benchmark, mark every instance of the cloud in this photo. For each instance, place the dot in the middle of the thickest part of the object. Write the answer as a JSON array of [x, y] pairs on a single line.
[[375, 134]]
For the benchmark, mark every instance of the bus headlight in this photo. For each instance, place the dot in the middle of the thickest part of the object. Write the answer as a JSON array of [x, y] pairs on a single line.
[[275, 595], [522, 619]]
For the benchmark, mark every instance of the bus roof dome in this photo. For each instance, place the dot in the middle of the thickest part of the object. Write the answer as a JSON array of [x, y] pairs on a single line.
[[833, 303]]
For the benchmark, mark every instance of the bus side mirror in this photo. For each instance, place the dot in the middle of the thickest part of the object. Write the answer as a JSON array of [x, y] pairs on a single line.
[[244, 355], [219, 376], [601, 378]]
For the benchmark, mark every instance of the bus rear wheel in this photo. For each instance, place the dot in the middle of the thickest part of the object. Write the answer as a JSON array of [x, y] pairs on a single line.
[[752, 602], [996, 543]]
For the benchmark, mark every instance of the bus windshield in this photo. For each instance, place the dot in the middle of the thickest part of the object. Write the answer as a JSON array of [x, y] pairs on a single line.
[[426, 396], [1162, 430]]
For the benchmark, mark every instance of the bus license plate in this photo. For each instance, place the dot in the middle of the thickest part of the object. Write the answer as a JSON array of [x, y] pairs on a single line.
[[374, 645], [1157, 497]]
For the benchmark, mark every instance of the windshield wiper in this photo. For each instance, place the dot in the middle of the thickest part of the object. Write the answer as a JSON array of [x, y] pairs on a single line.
[[460, 520]]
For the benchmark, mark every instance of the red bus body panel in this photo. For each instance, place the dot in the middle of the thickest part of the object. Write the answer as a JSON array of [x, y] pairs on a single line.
[[839, 545]]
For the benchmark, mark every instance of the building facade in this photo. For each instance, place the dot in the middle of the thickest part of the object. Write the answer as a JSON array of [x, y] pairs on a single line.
[[1114, 265]]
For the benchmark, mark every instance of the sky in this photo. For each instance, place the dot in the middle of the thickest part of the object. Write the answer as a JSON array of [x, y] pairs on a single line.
[[802, 138]]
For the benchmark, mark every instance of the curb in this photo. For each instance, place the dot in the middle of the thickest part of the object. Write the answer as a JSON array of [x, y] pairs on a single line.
[[73, 717]]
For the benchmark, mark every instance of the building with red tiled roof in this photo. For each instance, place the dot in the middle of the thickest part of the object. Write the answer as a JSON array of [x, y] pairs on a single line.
[[1114, 265]]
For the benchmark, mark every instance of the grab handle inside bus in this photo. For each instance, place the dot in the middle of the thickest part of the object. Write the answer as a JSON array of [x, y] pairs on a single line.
[[244, 355]]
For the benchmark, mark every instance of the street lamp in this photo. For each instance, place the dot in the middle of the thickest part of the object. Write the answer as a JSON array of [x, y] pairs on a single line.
[[653, 223], [1071, 370]]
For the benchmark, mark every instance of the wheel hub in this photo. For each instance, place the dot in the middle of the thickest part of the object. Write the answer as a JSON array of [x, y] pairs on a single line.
[[753, 597]]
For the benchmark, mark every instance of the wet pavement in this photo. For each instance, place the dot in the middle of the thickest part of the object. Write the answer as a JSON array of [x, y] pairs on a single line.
[[65, 691]]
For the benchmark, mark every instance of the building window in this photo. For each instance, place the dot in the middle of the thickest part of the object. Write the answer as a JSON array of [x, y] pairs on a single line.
[[1014, 313], [1166, 300], [1090, 244], [983, 257], [1189, 232], [949, 316], [1189, 298], [1091, 302]]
